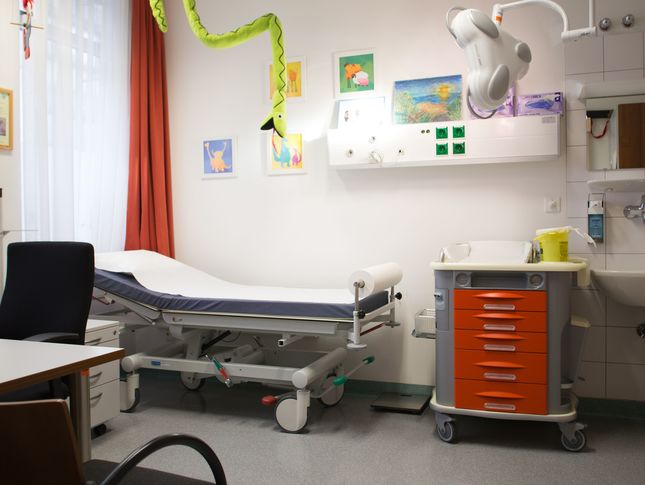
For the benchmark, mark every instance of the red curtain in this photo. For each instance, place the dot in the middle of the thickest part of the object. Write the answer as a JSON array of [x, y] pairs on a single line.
[[149, 218]]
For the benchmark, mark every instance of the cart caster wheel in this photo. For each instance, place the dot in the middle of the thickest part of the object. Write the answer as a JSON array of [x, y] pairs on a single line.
[[578, 442], [191, 381], [286, 411], [448, 432], [137, 398], [334, 396]]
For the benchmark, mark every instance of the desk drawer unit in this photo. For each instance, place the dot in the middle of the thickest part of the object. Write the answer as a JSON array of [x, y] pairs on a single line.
[[501, 350], [104, 378]]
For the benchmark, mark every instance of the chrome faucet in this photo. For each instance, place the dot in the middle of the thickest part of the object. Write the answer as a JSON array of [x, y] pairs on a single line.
[[634, 211]]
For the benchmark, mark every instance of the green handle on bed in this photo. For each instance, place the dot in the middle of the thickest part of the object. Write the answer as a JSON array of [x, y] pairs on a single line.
[[339, 381], [369, 359]]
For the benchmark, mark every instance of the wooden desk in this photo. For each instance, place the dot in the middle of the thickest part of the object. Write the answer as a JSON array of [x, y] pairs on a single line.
[[23, 363]]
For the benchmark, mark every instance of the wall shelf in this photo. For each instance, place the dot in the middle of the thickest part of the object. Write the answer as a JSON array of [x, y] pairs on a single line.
[[498, 140], [621, 185], [609, 89]]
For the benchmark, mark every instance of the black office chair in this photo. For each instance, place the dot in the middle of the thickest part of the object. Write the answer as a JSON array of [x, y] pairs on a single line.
[[38, 446], [47, 297]]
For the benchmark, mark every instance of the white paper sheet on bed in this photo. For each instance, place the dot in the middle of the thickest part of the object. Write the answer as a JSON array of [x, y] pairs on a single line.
[[166, 275]]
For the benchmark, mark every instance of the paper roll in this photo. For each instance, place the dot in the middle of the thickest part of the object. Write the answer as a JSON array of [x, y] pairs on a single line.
[[375, 278]]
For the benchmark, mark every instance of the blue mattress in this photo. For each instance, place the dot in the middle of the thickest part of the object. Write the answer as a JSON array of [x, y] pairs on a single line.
[[126, 286]]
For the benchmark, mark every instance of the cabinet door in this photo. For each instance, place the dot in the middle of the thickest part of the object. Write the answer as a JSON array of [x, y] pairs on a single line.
[[500, 300], [104, 402]]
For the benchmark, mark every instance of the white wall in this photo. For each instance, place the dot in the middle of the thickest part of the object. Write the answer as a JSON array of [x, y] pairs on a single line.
[[10, 160], [314, 229]]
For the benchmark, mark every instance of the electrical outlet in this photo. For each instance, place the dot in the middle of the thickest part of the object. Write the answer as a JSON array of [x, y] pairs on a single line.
[[552, 205]]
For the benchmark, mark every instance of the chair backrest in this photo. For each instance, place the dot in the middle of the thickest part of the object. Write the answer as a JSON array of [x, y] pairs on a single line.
[[48, 289], [37, 443]]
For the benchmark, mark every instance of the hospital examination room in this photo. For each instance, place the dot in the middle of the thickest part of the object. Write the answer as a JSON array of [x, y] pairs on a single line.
[[340, 242]]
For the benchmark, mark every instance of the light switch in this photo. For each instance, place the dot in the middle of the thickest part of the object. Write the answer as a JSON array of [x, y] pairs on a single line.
[[552, 205]]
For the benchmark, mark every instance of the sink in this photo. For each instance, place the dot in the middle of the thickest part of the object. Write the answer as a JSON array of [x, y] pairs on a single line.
[[626, 287]]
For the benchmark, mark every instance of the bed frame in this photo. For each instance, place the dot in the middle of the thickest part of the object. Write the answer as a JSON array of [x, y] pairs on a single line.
[[197, 350]]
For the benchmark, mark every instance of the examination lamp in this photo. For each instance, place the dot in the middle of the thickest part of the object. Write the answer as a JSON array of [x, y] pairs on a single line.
[[496, 59]]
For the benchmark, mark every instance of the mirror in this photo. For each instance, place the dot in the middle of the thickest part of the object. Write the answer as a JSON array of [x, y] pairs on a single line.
[[616, 132]]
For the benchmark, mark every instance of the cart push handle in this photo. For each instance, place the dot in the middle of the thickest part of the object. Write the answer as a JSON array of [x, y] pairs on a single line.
[[340, 380]]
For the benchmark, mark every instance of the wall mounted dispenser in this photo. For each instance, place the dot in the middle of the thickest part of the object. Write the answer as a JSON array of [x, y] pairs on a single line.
[[596, 217]]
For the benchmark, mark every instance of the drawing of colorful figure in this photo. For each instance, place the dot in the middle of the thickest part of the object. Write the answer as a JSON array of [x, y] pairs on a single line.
[[294, 79], [218, 156], [286, 153], [356, 73]]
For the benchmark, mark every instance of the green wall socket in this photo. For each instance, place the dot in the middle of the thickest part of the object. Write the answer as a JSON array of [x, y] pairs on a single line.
[[441, 133], [459, 148], [442, 148], [458, 131]]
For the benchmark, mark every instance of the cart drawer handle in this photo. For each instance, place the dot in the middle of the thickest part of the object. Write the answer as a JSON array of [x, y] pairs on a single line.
[[93, 342], [500, 395], [500, 348], [499, 336], [501, 295], [490, 326], [492, 306], [97, 397], [96, 376], [500, 365], [494, 376], [494, 406], [500, 316]]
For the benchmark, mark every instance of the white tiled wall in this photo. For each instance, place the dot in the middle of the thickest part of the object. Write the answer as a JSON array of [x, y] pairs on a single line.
[[613, 359]]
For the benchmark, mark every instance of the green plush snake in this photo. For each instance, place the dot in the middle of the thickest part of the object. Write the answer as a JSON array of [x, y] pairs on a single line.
[[277, 119]]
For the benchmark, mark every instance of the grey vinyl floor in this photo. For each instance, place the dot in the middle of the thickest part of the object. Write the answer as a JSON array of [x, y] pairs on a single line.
[[353, 444]]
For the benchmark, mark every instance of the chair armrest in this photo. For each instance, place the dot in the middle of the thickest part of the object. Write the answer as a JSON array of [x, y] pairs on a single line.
[[56, 337], [160, 442]]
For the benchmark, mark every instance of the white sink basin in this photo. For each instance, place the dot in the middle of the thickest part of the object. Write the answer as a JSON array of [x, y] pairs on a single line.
[[626, 287]]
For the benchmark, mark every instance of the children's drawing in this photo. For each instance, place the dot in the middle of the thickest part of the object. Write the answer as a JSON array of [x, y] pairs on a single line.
[[285, 154], [354, 72], [218, 158], [427, 100], [296, 78]]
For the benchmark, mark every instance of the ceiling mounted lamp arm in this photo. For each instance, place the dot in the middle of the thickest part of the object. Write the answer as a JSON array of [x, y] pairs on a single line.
[[498, 15]]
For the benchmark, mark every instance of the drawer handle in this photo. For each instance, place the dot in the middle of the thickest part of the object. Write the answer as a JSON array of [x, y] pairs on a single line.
[[96, 398], [96, 376], [500, 365], [500, 395], [496, 406], [500, 327], [500, 348], [497, 306], [93, 342], [500, 295], [499, 336], [494, 376], [500, 316]]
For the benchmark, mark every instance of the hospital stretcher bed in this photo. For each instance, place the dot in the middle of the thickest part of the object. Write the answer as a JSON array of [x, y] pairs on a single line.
[[196, 313]]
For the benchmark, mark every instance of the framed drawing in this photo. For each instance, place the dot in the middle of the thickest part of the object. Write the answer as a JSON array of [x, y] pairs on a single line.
[[285, 155], [354, 73], [296, 76], [6, 119], [427, 100], [219, 158]]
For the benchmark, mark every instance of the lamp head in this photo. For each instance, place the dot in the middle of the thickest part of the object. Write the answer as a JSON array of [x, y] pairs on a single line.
[[496, 59]]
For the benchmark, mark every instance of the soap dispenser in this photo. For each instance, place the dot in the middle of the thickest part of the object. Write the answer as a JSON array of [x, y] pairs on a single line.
[[596, 217]]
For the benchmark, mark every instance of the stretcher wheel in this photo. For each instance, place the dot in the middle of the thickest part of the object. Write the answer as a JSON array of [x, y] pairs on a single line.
[[137, 398], [447, 432], [191, 381], [99, 430], [578, 442], [286, 414], [334, 396]]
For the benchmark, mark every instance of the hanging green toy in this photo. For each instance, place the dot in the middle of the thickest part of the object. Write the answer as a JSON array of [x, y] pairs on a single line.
[[277, 119]]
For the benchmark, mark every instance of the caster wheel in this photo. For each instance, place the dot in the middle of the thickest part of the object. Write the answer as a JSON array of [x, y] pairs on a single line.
[[99, 430], [286, 414], [137, 398], [448, 432], [578, 442], [334, 396], [191, 381]]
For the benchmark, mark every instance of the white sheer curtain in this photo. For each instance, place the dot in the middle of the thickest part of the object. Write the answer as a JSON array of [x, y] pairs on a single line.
[[75, 125]]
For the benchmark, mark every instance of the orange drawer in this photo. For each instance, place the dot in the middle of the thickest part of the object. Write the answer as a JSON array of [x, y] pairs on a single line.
[[504, 321], [500, 366], [500, 396], [504, 300], [503, 341]]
